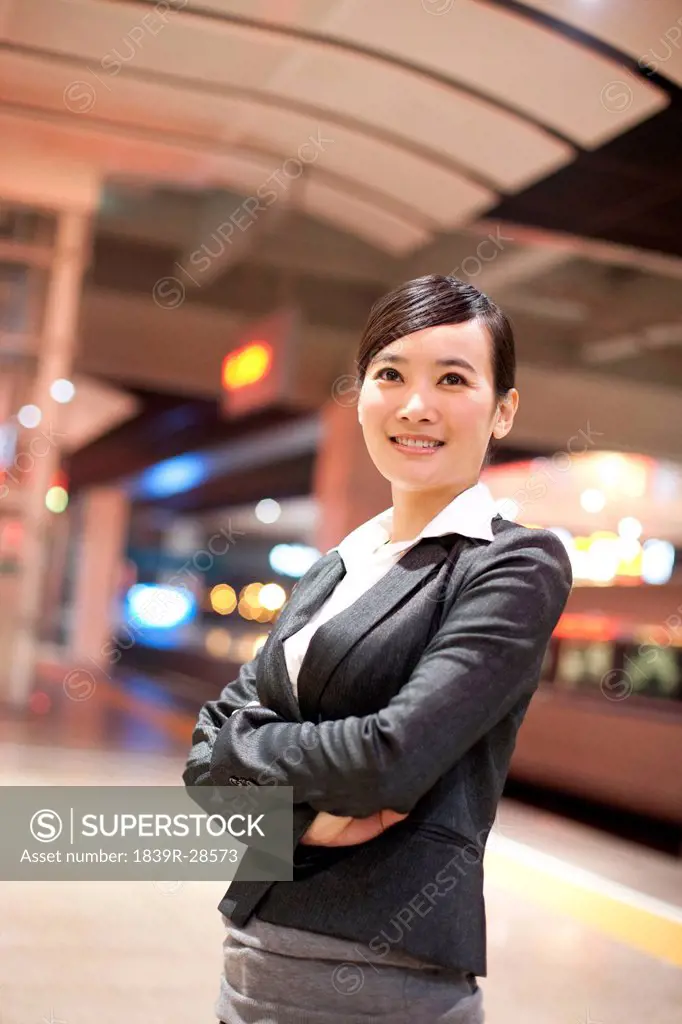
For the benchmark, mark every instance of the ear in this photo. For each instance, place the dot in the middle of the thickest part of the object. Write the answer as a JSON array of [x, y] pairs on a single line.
[[504, 416]]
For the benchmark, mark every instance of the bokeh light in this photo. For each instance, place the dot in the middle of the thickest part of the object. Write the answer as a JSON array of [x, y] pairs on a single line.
[[268, 510], [57, 499], [29, 416], [592, 500], [223, 599], [218, 642], [62, 390], [272, 597]]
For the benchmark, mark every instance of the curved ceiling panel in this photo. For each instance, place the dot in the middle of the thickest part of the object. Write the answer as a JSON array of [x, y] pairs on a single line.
[[427, 118], [384, 229], [418, 189], [141, 106], [421, 115], [501, 55], [545, 75], [650, 32], [309, 14], [376, 226], [115, 35], [109, 153], [434, 193], [506, 150], [245, 173]]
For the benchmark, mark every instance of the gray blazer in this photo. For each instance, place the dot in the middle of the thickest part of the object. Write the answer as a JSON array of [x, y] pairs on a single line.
[[410, 699]]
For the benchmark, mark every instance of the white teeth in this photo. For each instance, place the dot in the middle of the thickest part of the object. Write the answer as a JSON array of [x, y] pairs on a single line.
[[409, 442]]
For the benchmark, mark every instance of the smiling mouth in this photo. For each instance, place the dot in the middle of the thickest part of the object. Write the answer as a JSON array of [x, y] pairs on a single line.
[[416, 446]]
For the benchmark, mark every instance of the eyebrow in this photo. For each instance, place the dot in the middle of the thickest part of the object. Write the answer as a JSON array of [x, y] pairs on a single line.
[[453, 361]]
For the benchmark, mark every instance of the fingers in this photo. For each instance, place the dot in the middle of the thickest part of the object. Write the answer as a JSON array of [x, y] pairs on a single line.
[[324, 828], [359, 830], [334, 830], [389, 817]]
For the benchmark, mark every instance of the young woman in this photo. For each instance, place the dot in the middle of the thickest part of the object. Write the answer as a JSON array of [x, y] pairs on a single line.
[[389, 694]]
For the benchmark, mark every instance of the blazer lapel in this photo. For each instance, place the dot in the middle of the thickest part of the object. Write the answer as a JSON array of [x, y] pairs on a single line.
[[274, 685], [334, 638]]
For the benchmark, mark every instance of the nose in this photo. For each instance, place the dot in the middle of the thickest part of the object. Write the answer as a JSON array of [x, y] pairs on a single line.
[[417, 407]]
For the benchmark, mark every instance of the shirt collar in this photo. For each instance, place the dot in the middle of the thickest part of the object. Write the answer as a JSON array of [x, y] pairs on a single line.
[[469, 514]]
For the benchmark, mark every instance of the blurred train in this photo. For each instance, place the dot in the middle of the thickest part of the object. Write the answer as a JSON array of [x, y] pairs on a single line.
[[606, 723]]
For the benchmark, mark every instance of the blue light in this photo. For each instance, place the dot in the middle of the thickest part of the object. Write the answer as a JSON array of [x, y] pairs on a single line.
[[158, 607], [292, 559], [173, 476]]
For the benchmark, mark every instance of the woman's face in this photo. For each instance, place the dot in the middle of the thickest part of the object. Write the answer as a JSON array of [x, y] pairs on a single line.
[[409, 389]]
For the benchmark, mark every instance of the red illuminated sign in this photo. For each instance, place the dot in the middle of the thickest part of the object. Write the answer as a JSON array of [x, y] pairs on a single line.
[[261, 371], [247, 365]]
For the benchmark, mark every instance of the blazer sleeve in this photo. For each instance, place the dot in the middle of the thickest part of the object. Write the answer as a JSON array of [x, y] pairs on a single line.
[[485, 657], [212, 717], [238, 694]]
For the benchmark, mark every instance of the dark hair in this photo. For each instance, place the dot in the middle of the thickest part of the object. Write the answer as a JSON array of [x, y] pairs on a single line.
[[431, 301]]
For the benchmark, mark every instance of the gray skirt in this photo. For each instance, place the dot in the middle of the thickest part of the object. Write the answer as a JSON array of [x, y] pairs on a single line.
[[277, 975]]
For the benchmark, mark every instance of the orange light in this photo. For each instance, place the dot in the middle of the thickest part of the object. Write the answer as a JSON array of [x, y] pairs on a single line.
[[60, 479], [223, 599], [572, 625], [246, 365]]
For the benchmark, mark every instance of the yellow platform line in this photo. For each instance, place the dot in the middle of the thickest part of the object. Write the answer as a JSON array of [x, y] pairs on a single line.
[[642, 922]]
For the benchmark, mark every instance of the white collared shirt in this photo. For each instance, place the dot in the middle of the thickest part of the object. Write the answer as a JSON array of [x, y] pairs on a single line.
[[367, 556]]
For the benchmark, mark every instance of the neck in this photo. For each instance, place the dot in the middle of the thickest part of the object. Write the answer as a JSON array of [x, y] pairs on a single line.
[[412, 510]]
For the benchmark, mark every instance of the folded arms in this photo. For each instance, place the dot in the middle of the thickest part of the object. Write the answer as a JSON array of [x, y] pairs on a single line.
[[484, 659]]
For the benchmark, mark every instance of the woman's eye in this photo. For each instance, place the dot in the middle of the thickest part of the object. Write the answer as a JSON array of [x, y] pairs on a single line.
[[386, 369], [389, 369]]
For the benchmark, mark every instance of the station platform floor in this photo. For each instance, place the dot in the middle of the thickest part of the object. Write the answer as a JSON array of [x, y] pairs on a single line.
[[583, 927]]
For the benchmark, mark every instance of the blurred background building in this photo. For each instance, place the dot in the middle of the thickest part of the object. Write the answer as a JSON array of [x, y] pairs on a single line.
[[199, 202]]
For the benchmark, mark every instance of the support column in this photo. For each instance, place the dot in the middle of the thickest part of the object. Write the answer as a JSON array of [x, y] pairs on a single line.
[[55, 360], [99, 573], [348, 487]]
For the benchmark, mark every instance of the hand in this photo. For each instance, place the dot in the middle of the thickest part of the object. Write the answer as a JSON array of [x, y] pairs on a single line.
[[334, 830]]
